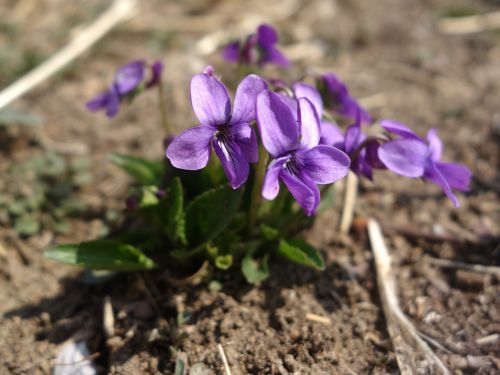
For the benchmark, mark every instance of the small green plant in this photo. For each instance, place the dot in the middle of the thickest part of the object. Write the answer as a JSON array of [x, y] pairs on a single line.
[[231, 211]]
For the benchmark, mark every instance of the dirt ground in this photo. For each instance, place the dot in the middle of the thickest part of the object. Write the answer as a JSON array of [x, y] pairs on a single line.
[[388, 51]]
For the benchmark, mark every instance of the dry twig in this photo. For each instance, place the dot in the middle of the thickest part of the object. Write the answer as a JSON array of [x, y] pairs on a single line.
[[224, 359], [492, 270], [108, 319], [470, 24], [118, 12], [319, 319], [412, 353], [351, 190]]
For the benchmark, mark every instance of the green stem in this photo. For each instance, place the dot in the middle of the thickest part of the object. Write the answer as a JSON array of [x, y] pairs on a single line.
[[255, 196], [163, 109]]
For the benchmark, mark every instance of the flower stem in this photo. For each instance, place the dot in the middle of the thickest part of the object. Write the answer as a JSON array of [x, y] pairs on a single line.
[[163, 110], [255, 197]]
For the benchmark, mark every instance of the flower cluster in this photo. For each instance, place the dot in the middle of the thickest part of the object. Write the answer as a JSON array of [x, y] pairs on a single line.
[[128, 80], [257, 49], [272, 133]]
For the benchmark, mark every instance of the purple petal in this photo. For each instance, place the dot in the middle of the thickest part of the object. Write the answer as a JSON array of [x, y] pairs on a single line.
[[191, 149], [353, 137], [406, 157], [246, 97], [113, 103], [457, 175], [210, 100], [98, 102], [233, 161], [273, 56], [266, 36], [433, 174], [244, 135], [310, 130], [371, 155], [324, 164], [232, 52], [400, 129], [331, 134], [336, 89], [303, 90], [128, 77], [292, 103], [304, 190], [156, 72], [435, 144], [271, 186], [278, 129]]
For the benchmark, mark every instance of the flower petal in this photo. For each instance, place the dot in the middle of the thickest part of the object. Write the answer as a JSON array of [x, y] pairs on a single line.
[[266, 36], [274, 56], [331, 134], [304, 190], [278, 129], [399, 128], [113, 103], [246, 97], [191, 149], [156, 72], [324, 164], [244, 135], [310, 130], [271, 186], [98, 102], [457, 175], [433, 174], [406, 157], [210, 100], [231, 52], [304, 90], [353, 137], [128, 77], [435, 144], [233, 161]]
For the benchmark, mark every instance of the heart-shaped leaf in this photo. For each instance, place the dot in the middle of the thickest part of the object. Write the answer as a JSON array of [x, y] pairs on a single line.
[[145, 172]]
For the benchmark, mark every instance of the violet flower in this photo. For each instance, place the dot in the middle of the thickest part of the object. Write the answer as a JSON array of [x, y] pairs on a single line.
[[299, 161], [230, 134], [412, 156], [127, 80], [361, 150], [363, 155], [257, 49], [336, 97]]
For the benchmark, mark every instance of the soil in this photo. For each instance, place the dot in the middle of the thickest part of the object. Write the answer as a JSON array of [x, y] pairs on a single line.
[[299, 321]]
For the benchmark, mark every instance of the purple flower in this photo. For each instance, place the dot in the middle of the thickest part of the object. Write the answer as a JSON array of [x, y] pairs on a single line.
[[230, 134], [412, 156], [127, 80], [257, 49], [336, 97], [299, 161]]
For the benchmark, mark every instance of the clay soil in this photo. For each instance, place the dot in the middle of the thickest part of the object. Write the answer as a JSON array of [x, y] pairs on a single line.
[[390, 52]]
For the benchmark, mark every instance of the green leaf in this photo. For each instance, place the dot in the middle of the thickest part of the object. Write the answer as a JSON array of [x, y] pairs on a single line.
[[301, 252], [223, 262], [210, 213], [146, 196], [174, 212], [146, 172], [101, 255], [269, 233], [254, 270]]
